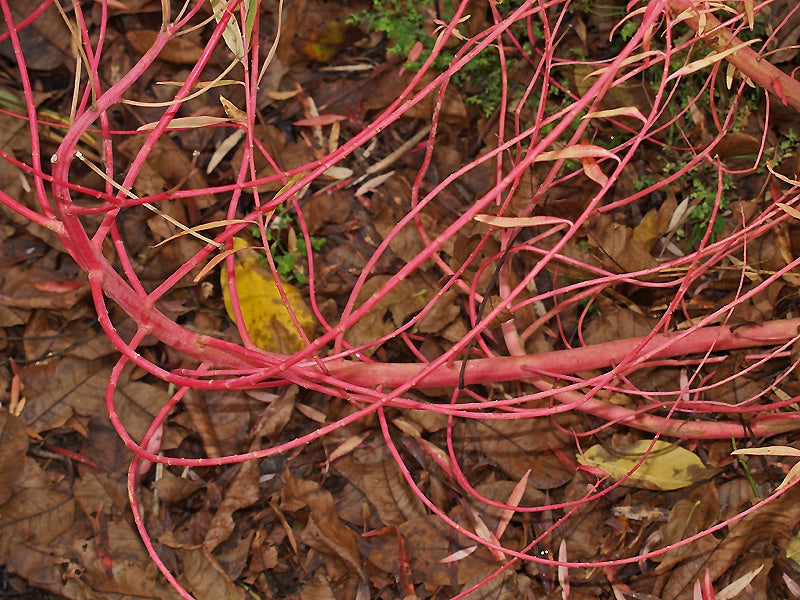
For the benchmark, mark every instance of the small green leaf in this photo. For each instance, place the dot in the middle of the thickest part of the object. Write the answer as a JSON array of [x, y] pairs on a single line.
[[232, 34]]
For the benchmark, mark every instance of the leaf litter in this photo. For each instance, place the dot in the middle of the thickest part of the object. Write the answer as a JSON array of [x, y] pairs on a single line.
[[338, 516]]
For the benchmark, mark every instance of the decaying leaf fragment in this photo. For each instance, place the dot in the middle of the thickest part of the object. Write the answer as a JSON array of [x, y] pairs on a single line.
[[266, 317], [666, 466]]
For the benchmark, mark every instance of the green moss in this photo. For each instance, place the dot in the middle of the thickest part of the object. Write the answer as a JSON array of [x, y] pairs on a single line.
[[403, 22]]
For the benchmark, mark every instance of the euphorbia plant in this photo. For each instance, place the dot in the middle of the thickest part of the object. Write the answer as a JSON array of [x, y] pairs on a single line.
[[524, 262]]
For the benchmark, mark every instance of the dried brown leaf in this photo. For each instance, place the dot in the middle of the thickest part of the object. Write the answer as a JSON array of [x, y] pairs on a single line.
[[93, 491], [241, 493], [755, 533], [179, 50], [61, 388], [41, 512], [408, 297], [13, 447], [205, 578], [515, 446], [325, 531], [374, 479], [428, 540]]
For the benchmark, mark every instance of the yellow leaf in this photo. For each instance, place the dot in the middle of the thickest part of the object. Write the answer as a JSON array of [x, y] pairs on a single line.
[[793, 548], [266, 317], [666, 467]]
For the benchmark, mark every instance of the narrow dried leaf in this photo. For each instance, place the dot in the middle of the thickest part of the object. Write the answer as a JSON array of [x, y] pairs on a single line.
[[459, 555], [438, 455], [275, 95], [677, 217], [57, 287], [768, 451], [563, 573], [347, 446], [577, 151], [232, 34], [709, 60], [338, 173], [203, 227], [783, 178], [482, 531], [628, 16], [311, 413], [733, 589], [213, 263], [373, 183], [234, 113], [622, 111], [498, 221], [633, 59], [187, 123], [319, 121], [593, 171], [791, 476], [789, 210], [406, 426], [513, 500], [750, 12]]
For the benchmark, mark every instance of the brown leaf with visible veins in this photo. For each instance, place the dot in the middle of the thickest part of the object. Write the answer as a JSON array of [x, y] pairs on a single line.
[[205, 578], [755, 534], [241, 493], [13, 447], [515, 446], [374, 478], [61, 388], [428, 540], [325, 531], [179, 50]]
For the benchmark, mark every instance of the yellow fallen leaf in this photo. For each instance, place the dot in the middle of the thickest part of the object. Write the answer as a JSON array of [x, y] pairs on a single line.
[[793, 548], [265, 315], [667, 467]]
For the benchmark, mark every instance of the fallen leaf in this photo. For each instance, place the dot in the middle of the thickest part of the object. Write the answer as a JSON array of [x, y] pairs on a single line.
[[241, 493], [429, 540], [375, 489], [515, 446], [666, 466], [324, 531], [178, 50], [13, 447], [266, 317]]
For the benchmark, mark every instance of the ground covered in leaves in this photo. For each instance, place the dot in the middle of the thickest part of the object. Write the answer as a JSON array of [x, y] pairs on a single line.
[[335, 518]]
